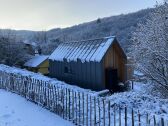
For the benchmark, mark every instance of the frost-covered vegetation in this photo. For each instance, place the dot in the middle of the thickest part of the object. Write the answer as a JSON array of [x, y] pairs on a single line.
[[150, 48], [121, 26], [141, 98], [12, 47], [12, 50]]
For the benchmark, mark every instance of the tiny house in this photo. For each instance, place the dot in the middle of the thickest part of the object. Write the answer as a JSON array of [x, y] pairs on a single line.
[[96, 64], [38, 64]]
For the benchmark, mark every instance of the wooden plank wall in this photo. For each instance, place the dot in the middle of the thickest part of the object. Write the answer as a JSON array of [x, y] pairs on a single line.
[[114, 59]]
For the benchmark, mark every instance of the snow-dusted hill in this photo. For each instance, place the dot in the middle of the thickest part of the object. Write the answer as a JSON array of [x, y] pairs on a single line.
[[17, 111]]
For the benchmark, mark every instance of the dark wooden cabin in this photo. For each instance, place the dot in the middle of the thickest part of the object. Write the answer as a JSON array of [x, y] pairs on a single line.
[[96, 64]]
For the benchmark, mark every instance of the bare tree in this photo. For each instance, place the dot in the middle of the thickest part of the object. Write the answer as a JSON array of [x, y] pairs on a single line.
[[150, 48], [41, 37], [11, 50]]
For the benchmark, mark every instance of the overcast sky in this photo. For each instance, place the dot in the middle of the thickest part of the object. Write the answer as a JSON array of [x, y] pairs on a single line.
[[46, 14]]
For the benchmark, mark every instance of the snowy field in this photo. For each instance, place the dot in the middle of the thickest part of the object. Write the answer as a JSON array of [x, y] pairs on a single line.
[[17, 111], [141, 99]]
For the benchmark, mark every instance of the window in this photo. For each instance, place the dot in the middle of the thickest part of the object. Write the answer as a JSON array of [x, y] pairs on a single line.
[[66, 69]]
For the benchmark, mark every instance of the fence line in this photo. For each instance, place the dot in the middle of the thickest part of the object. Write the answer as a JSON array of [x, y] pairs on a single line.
[[78, 107]]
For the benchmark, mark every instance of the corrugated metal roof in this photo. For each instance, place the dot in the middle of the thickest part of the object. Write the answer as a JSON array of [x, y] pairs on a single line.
[[86, 50], [36, 61]]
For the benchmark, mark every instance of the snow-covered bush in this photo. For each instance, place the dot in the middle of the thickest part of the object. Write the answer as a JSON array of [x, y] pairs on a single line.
[[150, 48]]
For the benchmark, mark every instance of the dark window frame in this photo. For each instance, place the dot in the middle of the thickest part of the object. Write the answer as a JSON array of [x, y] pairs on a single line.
[[66, 69]]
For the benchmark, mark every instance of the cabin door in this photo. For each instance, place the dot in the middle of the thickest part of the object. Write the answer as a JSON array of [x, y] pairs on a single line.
[[111, 78]]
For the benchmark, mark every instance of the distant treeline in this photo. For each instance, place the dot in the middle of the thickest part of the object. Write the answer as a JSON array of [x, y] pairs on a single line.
[[121, 26]]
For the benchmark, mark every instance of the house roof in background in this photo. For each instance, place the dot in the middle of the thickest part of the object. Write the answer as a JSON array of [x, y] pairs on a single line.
[[36, 61], [30, 43], [86, 50]]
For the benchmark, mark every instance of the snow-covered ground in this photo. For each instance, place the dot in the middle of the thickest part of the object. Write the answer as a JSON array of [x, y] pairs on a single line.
[[17, 111], [141, 99]]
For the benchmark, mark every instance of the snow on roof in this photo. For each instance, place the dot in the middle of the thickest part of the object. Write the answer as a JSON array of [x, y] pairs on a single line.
[[36, 61], [86, 50], [30, 43]]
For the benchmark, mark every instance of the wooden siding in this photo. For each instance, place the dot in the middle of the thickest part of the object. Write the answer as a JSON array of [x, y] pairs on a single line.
[[86, 75], [115, 59], [42, 68], [91, 74]]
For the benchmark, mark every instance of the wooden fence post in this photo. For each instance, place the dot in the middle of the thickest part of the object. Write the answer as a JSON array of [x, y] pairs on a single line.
[[132, 82], [104, 114], [79, 107], [51, 97], [139, 118], [132, 117], [94, 111], [147, 119], [48, 95], [109, 114], [63, 103], [119, 116], [73, 105], [154, 120], [69, 93], [55, 97], [56, 92], [58, 101], [162, 121], [83, 96], [87, 110], [38, 92], [76, 108], [66, 113], [34, 89], [90, 110], [125, 116], [99, 112], [114, 115], [42, 92]]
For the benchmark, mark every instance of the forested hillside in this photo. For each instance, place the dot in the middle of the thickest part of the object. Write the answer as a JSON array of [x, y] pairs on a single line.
[[121, 26]]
